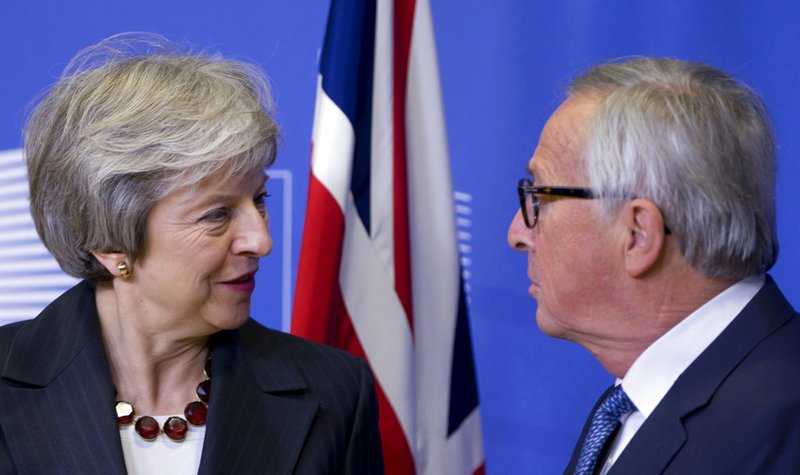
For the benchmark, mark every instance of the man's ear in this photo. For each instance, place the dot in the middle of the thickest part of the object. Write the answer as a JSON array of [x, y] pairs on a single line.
[[117, 263], [646, 238]]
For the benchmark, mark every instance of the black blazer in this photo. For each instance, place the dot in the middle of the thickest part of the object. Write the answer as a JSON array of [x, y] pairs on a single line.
[[279, 404], [736, 408]]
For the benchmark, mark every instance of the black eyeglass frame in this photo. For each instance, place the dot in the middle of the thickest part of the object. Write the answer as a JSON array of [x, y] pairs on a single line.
[[525, 187]]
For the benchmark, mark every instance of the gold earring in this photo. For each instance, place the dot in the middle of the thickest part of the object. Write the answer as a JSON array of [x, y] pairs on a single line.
[[123, 270]]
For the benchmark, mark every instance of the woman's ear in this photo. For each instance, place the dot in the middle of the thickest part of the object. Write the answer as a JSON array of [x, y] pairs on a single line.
[[116, 263], [646, 236]]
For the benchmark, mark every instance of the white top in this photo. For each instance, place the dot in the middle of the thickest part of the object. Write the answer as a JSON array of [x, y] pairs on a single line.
[[659, 366], [162, 455]]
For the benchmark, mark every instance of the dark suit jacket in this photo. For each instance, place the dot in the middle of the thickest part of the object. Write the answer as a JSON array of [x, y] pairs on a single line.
[[736, 408], [279, 404]]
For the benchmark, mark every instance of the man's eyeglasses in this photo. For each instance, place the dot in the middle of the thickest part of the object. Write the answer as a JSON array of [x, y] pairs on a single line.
[[529, 203]]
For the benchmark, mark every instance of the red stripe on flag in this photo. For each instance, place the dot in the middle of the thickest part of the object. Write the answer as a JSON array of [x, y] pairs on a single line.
[[397, 458], [318, 294], [320, 311], [403, 24], [317, 289]]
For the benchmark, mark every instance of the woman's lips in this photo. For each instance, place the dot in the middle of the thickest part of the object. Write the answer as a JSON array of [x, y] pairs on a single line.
[[244, 283]]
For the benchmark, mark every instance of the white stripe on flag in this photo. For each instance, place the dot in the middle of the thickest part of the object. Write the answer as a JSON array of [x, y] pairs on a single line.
[[414, 369], [463, 451], [382, 141], [378, 319], [333, 141], [435, 259]]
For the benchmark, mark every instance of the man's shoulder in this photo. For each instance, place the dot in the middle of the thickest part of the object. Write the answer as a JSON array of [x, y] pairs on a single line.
[[733, 411], [773, 364], [774, 358], [758, 357]]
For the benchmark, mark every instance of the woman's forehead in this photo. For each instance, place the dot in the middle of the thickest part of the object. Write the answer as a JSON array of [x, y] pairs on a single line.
[[223, 183]]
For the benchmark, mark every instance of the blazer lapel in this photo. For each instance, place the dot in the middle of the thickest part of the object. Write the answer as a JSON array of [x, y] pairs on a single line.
[[663, 434], [57, 392], [258, 420]]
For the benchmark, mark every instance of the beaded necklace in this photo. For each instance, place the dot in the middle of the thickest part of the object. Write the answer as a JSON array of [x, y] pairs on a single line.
[[175, 427]]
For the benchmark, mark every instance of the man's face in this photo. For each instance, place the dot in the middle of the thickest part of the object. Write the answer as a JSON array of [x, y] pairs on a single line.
[[572, 260]]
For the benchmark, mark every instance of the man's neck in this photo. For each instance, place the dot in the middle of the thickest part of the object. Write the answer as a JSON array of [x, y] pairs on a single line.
[[660, 303]]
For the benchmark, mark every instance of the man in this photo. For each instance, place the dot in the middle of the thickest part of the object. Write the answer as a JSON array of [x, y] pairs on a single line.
[[649, 224]]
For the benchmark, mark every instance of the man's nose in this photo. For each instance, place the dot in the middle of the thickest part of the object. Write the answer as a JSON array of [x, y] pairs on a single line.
[[520, 237]]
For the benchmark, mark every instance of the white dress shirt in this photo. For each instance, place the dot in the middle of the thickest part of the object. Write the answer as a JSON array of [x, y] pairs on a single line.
[[655, 371]]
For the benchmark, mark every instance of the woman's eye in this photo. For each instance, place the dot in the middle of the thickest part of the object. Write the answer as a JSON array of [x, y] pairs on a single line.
[[217, 215], [260, 199]]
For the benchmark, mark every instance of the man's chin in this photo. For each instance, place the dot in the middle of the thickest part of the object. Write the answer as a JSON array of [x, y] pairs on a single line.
[[548, 325]]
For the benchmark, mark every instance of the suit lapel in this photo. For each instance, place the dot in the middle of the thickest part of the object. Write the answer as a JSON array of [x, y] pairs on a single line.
[[57, 391], [663, 434], [258, 419]]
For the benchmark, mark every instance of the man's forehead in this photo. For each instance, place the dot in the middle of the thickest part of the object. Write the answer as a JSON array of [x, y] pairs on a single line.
[[562, 139], [540, 169]]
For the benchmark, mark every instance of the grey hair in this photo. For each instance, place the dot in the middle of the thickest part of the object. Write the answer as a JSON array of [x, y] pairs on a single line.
[[698, 144], [130, 120]]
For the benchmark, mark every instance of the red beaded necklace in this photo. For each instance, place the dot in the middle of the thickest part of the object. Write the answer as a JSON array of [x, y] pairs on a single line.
[[175, 427]]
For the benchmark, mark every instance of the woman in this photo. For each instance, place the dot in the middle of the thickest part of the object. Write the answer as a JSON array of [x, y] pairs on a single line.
[[147, 180]]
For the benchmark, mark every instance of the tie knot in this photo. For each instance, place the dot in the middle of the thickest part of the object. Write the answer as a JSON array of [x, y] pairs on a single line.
[[616, 403], [604, 420]]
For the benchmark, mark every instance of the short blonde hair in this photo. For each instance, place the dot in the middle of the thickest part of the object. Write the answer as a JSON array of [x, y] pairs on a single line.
[[131, 119]]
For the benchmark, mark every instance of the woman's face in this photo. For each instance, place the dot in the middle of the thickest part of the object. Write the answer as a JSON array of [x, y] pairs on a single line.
[[201, 255]]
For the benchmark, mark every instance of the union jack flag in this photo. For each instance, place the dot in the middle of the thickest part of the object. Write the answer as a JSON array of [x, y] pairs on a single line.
[[379, 272]]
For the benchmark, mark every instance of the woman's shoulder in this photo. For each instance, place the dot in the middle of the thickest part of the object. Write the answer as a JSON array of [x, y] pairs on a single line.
[[62, 317], [63, 328], [262, 340], [7, 334], [296, 362]]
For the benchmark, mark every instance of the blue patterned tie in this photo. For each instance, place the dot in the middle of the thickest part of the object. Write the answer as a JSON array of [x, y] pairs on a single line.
[[604, 421]]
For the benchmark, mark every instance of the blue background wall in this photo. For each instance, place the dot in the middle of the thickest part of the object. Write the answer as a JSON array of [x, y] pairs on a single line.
[[504, 65]]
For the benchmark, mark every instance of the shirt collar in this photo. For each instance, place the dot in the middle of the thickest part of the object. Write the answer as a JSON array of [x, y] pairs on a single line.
[[659, 366]]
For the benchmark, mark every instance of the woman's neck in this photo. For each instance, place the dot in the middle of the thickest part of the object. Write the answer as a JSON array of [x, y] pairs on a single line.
[[156, 371]]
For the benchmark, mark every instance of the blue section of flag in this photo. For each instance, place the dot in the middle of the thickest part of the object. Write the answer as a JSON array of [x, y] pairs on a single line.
[[347, 67], [463, 383]]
